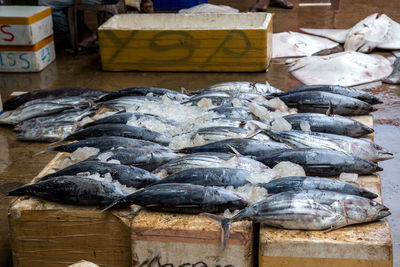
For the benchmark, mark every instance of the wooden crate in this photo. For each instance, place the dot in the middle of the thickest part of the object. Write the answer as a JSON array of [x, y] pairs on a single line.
[[187, 42], [24, 25], [367, 244]]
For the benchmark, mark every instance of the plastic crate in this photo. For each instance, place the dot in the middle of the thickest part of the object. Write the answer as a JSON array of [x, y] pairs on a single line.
[[176, 4]]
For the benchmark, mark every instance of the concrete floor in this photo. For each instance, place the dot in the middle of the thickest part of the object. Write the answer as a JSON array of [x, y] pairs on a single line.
[[18, 166]]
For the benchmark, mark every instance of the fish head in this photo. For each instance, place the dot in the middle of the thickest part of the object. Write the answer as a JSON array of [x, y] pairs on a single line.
[[232, 200], [360, 209], [382, 154]]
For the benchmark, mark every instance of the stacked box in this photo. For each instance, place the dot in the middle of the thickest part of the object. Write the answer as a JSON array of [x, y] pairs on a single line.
[[26, 38]]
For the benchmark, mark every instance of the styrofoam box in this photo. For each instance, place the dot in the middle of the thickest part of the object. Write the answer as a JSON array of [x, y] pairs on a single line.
[[24, 25]]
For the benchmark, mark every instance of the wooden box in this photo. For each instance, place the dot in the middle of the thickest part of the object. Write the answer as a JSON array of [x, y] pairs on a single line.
[[187, 42], [27, 58], [24, 25]]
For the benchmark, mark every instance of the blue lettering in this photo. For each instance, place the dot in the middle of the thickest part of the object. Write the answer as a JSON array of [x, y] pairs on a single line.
[[48, 54], [1, 60], [43, 55], [28, 64], [11, 58]]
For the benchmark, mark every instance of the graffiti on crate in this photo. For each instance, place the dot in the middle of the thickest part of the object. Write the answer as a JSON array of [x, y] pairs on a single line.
[[5, 35], [184, 41], [156, 262], [15, 60]]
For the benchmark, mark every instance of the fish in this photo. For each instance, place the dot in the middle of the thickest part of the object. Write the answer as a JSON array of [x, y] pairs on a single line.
[[46, 94], [295, 44], [125, 117], [143, 91], [73, 190], [394, 77], [16, 116], [104, 143], [225, 101], [308, 210], [145, 158], [357, 146], [320, 162], [74, 101], [344, 68], [336, 89], [129, 176], [244, 146], [334, 124], [209, 177], [233, 112], [47, 132], [245, 87], [182, 198], [235, 94], [374, 31], [298, 183], [213, 134], [130, 103], [123, 130], [211, 160], [68, 115], [319, 102]]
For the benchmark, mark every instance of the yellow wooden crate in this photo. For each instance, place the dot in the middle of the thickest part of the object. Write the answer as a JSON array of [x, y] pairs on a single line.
[[187, 42]]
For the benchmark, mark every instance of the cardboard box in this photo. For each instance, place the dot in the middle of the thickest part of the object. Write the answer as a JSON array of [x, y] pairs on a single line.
[[187, 42], [27, 58], [24, 25]]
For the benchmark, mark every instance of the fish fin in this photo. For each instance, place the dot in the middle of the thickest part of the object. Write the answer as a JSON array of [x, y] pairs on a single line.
[[184, 91], [337, 35], [329, 112], [43, 151], [115, 202], [253, 134], [234, 150], [56, 143], [226, 224]]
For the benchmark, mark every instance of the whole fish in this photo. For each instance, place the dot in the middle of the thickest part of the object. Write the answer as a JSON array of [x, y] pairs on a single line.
[[336, 89], [47, 132], [183, 198], [104, 143], [245, 146], [72, 190], [211, 160], [78, 101], [296, 183], [357, 146], [125, 117], [128, 102], [221, 101], [123, 130], [143, 91], [329, 124], [125, 175], [15, 102], [70, 115], [145, 158], [213, 134], [232, 112], [235, 94], [320, 162], [245, 87], [319, 102], [309, 210], [209, 177], [16, 116]]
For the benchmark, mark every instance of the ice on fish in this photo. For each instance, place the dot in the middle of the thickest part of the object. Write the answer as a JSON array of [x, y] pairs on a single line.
[[205, 103], [262, 177], [108, 178], [280, 124], [250, 192], [78, 155], [305, 126], [287, 168], [261, 112], [348, 177], [278, 104]]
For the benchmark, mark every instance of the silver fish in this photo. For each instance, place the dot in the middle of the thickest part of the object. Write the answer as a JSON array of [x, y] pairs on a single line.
[[245, 87], [356, 146], [47, 132], [213, 134]]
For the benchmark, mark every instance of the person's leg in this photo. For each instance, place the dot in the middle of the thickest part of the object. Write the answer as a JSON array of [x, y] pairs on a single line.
[[261, 5], [280, 3], [58, 12]]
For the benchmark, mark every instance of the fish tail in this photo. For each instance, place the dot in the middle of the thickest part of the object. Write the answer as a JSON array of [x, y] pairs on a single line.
[[226, 224]]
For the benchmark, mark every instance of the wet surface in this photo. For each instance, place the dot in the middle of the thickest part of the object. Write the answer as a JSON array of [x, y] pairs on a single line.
[[18, 166]]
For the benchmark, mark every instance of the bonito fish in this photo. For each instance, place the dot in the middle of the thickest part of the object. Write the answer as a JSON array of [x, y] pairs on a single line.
[[245, 87], [356, 146], [183, 198]]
